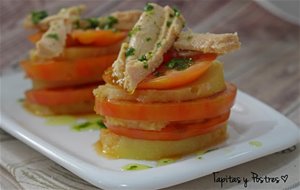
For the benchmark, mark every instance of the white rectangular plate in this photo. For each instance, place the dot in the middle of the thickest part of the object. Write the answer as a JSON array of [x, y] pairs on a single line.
[[255, 130]]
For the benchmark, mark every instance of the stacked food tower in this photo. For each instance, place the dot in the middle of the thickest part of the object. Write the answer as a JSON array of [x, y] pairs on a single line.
[[69, 57], [165, 95]]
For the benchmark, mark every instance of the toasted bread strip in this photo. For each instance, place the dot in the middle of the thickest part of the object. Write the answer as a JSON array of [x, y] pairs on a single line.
[[208, 43]]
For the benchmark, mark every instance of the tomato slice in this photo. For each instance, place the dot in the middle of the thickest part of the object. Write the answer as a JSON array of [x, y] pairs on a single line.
[[98, 37], [201, 108], [168, 79], [172, 131], [62, 96], [173, 78], [35, 37], [68, 70]]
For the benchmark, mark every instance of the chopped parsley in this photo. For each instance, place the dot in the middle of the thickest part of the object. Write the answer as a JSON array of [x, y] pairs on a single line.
[[158, 45], [148, 39], [108, 23], [169, 23], [89, 125], [92, 23], [179, 63], [143, 58], [53, 36], [176, 12], [145, 65], [129, 52], [134, 166], [37, 16], [134, 30], [148, 7], [82, 126], [101, 124]]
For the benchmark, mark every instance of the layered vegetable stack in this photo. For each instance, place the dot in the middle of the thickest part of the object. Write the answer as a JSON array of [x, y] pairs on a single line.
[[165, 95], [70, 56]]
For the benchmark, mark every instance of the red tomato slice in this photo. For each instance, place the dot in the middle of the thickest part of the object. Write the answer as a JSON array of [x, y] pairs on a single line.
[[62, 96], [173, 131], [172, 78], [71, 70], [202, 108]]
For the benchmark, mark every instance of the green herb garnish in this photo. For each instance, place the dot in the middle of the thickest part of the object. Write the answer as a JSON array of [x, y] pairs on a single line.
[[130, 167], [176, 12], [145, 65], [133, 167], [148, 7], [169, 23], [129, 52], [134, 30], [143, 58], [37, 16], [53, 36], [89, 125], [82, 126], [108, 23], [165, 161], [101, 124], [92, 23], [158, 45], [148, 39], [179, 63]]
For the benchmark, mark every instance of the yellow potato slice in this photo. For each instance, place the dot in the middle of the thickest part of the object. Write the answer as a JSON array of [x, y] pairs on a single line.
[[115, 146], [208, 84]]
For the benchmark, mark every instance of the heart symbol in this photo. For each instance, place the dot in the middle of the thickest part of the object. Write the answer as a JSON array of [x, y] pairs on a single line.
[[284, 178]]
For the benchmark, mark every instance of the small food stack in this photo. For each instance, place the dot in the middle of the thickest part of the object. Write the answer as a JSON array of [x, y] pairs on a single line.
[[70, 56], [165, 95]]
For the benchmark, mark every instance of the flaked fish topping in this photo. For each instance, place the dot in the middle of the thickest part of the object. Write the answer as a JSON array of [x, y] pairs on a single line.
[[53, 40], [56, 27], [160, 24], [126, 19], [208, 43]]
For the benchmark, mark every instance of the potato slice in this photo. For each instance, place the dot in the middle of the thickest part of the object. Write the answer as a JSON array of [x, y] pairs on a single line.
[[115, 146], [208, 84]]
